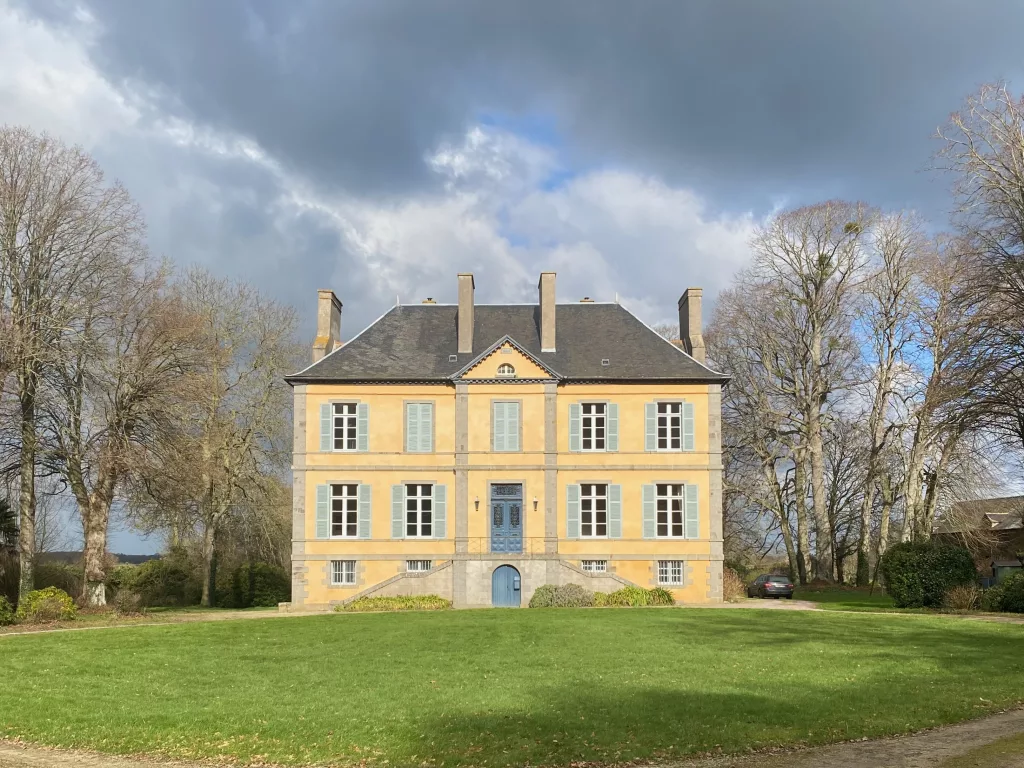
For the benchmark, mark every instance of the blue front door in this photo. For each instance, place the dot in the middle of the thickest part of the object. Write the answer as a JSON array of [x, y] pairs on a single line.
[[506, 587], [506, 518]]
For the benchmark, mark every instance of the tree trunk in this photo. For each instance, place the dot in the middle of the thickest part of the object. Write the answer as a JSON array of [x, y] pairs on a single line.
[[825, 546], [209, 564], [95, 525], [27, 489], [803, 546], [888, 502], [864, 536]]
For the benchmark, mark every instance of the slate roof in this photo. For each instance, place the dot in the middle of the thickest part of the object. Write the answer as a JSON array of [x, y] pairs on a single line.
[[414, 342], [1003, 514]]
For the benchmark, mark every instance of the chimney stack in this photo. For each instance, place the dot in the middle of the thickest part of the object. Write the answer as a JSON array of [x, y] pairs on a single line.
[[690, 329], [328, 324], [546, 287], [465, 321]]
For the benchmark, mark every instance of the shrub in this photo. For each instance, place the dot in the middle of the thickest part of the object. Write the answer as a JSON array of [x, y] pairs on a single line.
[[572, 596], [543, 596], [637, 597], [6, 612], [43, 605], [733, 588], [64, 576], [120, 577], [920, 574], [164, 582], [660, 596], [1007, 596], [404, 603], [128, 603], [965, 597], [600, 599], [260, 584]]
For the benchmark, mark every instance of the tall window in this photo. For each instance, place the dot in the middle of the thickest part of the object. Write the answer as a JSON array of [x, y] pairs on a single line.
[[670, 427], [343, 572], [345, 427], [670, 572], [593, 426], [670, 510], [593, 510], [345, 510], [419, 510]]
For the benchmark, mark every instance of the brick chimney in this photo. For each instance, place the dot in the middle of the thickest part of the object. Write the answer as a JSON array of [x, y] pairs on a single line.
[[465, 320], [690, 328], [546, 287], [328, 324]]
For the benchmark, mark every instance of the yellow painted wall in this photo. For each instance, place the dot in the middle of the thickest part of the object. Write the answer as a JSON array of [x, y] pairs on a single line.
[[488, 367]]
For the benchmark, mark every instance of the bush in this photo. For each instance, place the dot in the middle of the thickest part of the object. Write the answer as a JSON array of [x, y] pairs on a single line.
[[920, 574], [637, 597], [64, 576], [965, 597], [44, 605], [6, 612], [260, 584], [600, 599], [733, 588], [128, 603], [405, 603], [165, 583], [1007, 596], [543, 596], [572, 596], [120, 577]]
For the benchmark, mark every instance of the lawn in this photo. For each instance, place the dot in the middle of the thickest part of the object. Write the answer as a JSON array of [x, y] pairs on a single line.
[[503, 687], [833, 598]]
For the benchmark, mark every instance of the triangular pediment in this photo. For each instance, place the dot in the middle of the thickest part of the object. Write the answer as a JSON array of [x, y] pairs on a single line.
[[493, 364]]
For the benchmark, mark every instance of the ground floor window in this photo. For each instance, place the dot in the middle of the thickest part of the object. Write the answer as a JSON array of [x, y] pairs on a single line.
[[670, 511], [593, 510], [419, 510], [343, 572], [345, 511], [595, 566], [417, 566], [670, 572]]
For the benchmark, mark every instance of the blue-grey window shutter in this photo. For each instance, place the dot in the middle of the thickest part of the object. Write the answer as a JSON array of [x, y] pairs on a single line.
[[574, 427], [572, 511], [363, 427], [426, 427], [412, 426], [692, 513], [323, 511], [611, 429], [440, 511], [511, 426], [614, 511], [650, 512], [650, 426], [326, 436], [365, 510], [398, 511], [498, 428], [688, 427]]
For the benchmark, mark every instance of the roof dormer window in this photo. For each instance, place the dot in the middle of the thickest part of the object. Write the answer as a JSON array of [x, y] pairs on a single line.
[[506, 371]]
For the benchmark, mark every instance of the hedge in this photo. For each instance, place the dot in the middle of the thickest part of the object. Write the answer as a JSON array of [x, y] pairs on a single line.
[[402, 603], [919, 574], [260, 584]]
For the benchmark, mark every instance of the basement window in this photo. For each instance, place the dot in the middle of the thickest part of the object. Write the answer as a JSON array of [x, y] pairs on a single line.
[[595, 566], [506, 371], [418, 566]]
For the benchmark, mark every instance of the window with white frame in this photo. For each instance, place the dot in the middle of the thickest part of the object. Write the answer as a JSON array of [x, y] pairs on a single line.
[[506, 371], [595, 566], [670, 426], [343, 572], [345, 427], [345, 511], [592, 427], [417, 566], [419, 510], [670, 502], [670, 572], [593, 510]]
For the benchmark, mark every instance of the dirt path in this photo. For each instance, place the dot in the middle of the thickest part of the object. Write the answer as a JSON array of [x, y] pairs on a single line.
[[993, 741]]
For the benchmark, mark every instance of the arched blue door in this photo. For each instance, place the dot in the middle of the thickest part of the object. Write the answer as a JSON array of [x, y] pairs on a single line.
[[506, 587]]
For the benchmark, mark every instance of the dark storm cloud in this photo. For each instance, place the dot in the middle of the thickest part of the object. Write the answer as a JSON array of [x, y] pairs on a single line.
[[742, 100]]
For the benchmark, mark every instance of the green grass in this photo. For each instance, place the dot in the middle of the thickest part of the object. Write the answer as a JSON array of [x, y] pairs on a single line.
[[503, 687], [833, 598]]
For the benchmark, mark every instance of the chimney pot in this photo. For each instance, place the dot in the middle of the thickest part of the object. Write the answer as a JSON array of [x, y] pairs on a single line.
[[328, 324], [429, 300], [465, 317], [546, 288], [690, 323], [586, 300]]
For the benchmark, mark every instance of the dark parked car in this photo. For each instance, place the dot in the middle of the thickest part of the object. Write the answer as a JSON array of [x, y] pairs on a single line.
[[771, 586]]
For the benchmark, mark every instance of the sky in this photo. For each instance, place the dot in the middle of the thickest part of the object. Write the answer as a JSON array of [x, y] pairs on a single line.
[[378, 148]]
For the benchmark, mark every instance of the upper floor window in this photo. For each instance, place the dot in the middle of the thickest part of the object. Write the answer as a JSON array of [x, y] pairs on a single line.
[[419, 427], [669, 426], [505, 426], [346, 427], [506, 371], [593, 426]]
